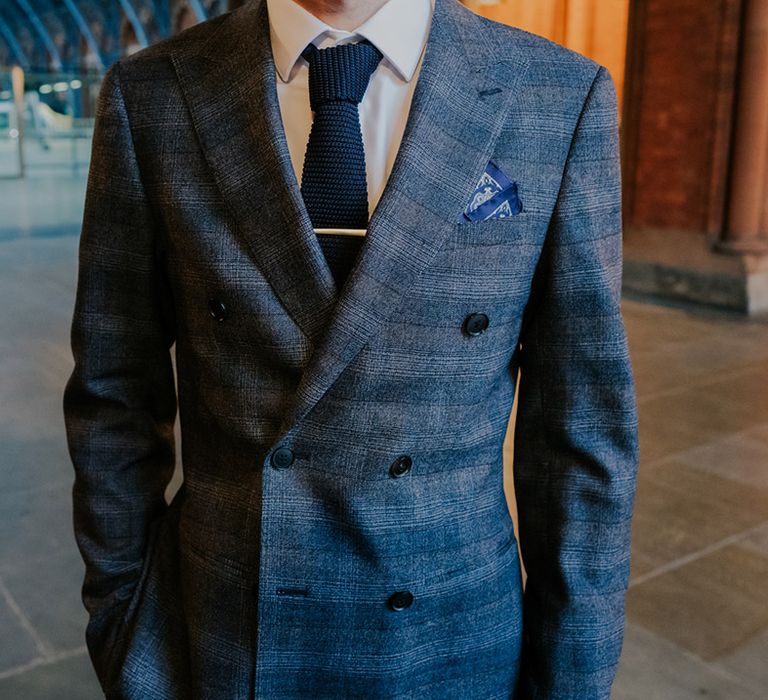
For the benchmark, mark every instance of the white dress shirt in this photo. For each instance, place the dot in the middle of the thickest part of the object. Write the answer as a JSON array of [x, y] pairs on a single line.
[[399, 29]]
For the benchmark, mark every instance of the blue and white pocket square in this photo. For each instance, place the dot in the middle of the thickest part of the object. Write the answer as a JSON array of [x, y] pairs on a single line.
[[495, 197]]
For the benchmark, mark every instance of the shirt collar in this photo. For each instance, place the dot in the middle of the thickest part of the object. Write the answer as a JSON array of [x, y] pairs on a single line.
[[401, 43]]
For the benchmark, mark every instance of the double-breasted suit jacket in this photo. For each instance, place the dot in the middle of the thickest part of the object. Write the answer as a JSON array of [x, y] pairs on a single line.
[[342, 529]]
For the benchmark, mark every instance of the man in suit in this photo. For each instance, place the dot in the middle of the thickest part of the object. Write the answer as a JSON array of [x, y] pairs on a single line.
[[342, 529]]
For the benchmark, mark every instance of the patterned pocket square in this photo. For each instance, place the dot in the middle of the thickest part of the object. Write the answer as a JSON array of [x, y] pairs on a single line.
[[495, 197]]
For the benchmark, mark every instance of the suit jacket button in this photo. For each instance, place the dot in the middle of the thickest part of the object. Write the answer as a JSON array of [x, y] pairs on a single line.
[[401, 466], [400, 600], [282, 457], [217, 309], [475, 324]]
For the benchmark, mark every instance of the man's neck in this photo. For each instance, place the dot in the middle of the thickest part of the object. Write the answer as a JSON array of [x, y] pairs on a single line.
[[342, 14]]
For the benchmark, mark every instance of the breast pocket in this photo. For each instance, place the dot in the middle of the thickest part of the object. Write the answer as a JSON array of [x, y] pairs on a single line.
[[525, 228], [486, 264]]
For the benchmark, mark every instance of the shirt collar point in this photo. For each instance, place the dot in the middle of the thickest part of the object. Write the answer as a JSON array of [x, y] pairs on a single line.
[[408, 73]]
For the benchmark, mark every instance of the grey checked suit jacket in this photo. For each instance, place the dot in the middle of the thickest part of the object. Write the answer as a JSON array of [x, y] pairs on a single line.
[[330, 574]]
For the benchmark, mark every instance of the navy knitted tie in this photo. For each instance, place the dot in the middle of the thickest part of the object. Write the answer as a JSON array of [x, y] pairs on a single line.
[[333, 181]]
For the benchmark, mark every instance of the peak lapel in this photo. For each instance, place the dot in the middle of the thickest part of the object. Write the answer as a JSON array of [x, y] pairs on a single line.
[[460, 103], [229, 86]]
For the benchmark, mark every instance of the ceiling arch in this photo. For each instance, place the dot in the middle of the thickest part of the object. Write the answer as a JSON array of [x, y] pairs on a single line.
[[77, 35]]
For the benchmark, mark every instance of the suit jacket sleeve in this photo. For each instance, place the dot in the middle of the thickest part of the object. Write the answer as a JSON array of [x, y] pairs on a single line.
[[120, 400], [575, 449]]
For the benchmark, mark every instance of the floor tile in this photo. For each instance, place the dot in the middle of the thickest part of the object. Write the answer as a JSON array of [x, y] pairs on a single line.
[[740, 457], [52, 605], [711, 606], [760, 432], [749, 662], [680, 510], [757, 540], [670, 424], [71, 678], [652, 668], [17, 646], [27, 463], [35, 524], [746, 390]]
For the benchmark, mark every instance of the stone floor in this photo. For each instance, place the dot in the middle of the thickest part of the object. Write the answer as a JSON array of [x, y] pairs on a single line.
[[697, 610]]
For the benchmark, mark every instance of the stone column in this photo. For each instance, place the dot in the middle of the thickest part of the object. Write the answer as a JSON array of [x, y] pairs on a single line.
[[746, 229], [695, 147]]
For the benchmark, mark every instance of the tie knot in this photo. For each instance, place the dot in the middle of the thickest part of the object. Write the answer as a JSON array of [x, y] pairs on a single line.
[[340, 73]]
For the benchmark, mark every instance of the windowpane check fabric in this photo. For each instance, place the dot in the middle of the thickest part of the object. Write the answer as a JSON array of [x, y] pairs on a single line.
[[333, 181], [380, 559]]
